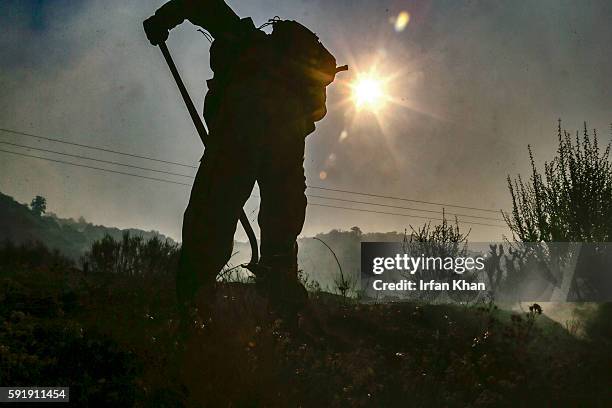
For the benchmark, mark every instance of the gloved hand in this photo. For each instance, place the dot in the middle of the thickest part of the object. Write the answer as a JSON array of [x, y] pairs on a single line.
[[156, 31]]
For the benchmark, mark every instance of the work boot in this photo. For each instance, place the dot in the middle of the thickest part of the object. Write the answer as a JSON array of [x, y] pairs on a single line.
[[279, 283]]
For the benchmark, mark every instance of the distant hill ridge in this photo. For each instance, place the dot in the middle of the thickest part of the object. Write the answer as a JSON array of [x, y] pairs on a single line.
[[71, 237]]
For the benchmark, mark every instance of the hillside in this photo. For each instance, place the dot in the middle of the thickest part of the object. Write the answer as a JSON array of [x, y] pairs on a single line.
[[18, 224], [113, 339], [73, 237]]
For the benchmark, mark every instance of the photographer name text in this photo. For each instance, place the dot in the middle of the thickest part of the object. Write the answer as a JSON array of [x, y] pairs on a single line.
[[431, 285]]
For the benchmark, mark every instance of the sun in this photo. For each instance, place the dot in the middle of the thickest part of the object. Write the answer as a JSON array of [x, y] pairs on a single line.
[[368, 92]]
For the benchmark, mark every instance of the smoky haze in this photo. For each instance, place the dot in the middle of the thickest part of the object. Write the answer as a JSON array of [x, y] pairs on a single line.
[[475, 83]]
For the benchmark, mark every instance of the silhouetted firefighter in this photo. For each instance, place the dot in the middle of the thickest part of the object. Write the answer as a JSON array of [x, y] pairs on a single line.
[[267, 92]]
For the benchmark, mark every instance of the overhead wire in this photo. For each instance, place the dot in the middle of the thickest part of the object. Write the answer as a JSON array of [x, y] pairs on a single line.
[[103, 149], [189, 185], [195, 167], [189, 176]]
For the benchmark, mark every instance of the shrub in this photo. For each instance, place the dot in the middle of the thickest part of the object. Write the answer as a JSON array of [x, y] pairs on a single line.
[[132, 256], [571, 201]]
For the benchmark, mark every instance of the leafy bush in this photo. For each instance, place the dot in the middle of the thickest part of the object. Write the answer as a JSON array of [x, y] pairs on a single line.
[[132, 256], [445, 239], [40, 343], [440, 241], [32, 255], [571, 201]]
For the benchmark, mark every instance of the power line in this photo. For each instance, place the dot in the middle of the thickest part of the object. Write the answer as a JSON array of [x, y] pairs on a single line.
[[402, 208], [95, 148], [97, 160], [96, 168], [388, 213], [189, 185], [403, 199], [195, 167], [403, 215], [188, 176]]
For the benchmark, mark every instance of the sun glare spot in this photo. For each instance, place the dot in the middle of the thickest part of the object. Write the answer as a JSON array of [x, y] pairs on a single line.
[[323, 175], [368, 93]]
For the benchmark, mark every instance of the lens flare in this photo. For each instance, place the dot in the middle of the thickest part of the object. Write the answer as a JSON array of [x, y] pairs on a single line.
[[401, 21]]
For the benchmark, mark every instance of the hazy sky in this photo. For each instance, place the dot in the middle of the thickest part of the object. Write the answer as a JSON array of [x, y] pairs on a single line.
[[477, 82]]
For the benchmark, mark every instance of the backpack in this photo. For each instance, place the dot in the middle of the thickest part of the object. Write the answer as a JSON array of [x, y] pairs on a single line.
[[304, 62], [291, 58]]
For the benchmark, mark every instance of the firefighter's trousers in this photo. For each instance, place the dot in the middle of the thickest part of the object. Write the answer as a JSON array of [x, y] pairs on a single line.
[[251, 140]]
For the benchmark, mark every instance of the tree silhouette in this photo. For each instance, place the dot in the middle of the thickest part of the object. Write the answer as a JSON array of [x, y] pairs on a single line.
[[39, 205]]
